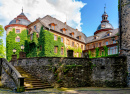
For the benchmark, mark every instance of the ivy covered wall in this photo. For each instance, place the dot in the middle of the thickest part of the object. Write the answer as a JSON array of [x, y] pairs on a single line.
[[44, 45], [104, 53], [11, 43]]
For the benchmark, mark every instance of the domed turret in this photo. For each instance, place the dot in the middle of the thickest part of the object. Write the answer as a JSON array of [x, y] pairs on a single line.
[[105, 25], [20, 21]]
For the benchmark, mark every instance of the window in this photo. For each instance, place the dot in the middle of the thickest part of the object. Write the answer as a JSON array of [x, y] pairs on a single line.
[[94, 37], [68, 42], [114, 41], [106, 42], [64, 32], [17, 30], [55, 37], [72, 43], [99, 44], [62, 40], [35, 27], [62, 51], [82, 47], [108, 34], [96, 44], [53, 27], [77, 45], [55, 49], [17, 21], [93, 46], [112, 50], [17, 39]]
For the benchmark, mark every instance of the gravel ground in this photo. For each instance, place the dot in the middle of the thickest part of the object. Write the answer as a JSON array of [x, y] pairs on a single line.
[[84, 90]]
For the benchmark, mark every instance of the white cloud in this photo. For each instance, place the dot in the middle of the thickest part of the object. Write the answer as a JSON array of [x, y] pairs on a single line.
[[33, 9]]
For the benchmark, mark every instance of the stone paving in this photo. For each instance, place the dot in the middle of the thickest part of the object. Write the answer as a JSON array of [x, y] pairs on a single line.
[[84, 90]]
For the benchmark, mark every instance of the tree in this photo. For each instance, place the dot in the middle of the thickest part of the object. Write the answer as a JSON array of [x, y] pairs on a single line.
[[2, 48]]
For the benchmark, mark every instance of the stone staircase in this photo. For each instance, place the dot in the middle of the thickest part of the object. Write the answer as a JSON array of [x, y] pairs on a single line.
[[31, 82]]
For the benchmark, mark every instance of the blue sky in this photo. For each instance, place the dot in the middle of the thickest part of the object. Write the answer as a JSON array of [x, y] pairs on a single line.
[[92, 12], [85, 15]]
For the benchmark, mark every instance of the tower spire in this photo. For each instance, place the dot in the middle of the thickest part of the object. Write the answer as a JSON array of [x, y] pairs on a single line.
[[105, 9], [22, 9]]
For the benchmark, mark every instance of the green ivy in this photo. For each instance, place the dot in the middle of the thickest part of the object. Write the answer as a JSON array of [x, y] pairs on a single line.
[[105, 50], [76, 50], [44, 45], [97, 51], [11, 43], [89, 53]]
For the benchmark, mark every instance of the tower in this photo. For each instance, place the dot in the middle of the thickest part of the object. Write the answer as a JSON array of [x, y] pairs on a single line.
[[16, 34], [105, 25]]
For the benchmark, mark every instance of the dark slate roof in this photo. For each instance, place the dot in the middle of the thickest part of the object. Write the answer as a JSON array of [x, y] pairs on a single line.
[[59, 25], [102, 35], [106, 26], [23, 20]]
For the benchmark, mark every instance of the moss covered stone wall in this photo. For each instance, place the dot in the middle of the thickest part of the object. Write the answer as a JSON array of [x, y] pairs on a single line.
[[78, 72]]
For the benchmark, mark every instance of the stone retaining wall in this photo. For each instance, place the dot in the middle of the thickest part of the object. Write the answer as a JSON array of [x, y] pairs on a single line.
[[7, 81], [78, 72]]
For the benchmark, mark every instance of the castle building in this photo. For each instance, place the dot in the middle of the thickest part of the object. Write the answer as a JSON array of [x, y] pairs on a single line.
[[105, 38], [105, 35]]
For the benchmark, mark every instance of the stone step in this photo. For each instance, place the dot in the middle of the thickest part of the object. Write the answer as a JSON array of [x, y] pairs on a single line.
[[31, 82], [48, 86], [35, 81], [35, 88]]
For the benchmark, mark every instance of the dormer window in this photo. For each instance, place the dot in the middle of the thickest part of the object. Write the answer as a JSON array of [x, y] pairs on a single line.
[[64, 30], [72, 34], [79, 37], [108, 33], [52, 25], [95, 37], [17, 21]]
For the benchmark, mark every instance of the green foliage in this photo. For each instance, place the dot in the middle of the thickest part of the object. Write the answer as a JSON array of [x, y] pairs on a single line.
[[89, 53], [1, 30], [105, 50], [59, 81], [76, 50], [11, 43], [20, 89], [97, 51], [44, 45], [2, 49]]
